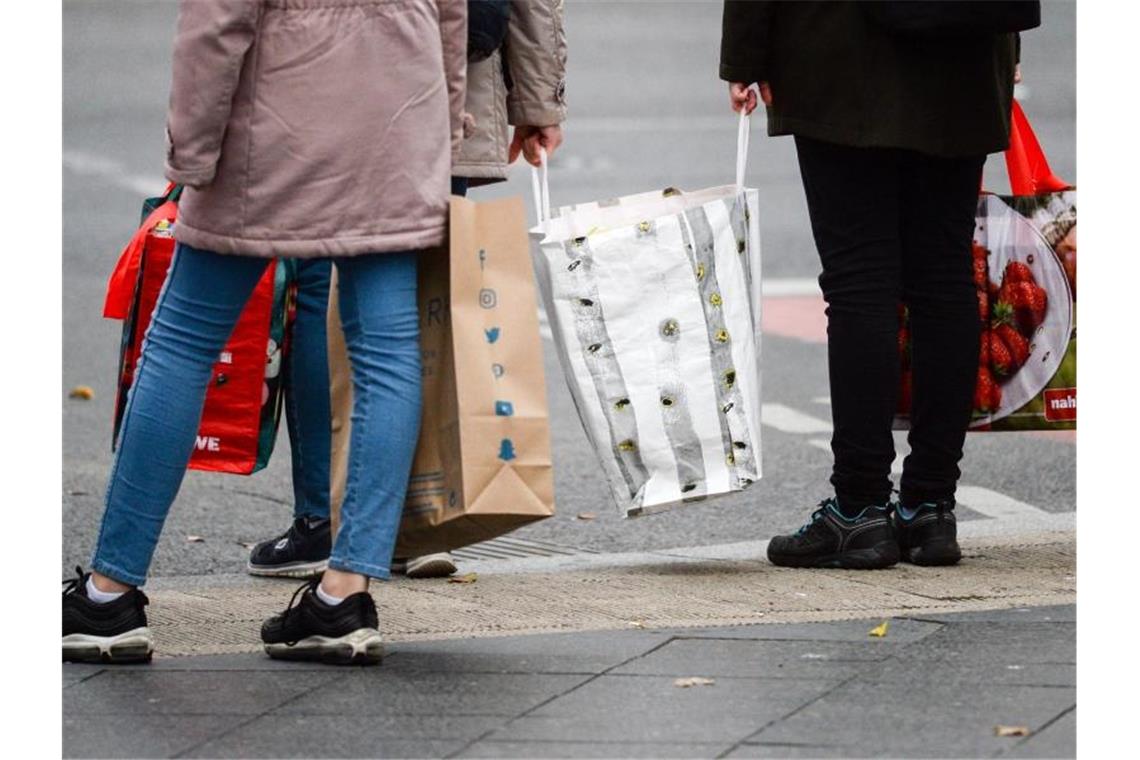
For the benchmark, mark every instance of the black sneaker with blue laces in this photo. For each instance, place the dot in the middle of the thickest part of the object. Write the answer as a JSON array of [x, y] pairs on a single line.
[[865, 541], [928, 533], [113, 632]]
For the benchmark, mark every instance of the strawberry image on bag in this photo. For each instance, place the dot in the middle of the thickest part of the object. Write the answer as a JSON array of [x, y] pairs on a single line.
[[1025, 272]]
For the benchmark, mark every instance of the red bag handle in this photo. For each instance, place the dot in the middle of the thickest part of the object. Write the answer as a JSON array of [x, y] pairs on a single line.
[[121, 285], [1029, 172]]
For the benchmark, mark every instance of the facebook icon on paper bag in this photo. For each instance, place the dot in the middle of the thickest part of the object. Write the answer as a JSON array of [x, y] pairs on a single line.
[[504, 408]]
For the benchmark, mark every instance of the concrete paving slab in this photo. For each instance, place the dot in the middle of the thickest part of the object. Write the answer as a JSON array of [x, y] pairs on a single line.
[[984, 669], [116, 736], [1058, 739], [793, 751], [930, 720], [586, 652], [536, 749], [385, 691], [741, 658], [899, 631], [75, 672], [1065, 613], [997, 642], [653, 709], [348, 736], [141, 691]]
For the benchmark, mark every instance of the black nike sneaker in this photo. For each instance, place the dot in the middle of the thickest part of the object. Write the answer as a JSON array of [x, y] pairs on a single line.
[[342, 634], [864, 542], [300, 552], [114, 632], [928, 533]]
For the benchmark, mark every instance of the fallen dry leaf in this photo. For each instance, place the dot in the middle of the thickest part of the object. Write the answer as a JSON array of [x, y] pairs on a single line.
[[880, 630], [684, 683], [1011, 730], [84, 392], [194, 539], [469, 578], [636, 624], [586, 516]]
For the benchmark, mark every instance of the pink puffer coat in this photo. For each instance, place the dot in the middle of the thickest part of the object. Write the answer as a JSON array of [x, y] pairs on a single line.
[[310, 128]]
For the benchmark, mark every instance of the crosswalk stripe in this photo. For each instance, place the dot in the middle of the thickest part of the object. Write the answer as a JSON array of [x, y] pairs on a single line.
[[788, 420]]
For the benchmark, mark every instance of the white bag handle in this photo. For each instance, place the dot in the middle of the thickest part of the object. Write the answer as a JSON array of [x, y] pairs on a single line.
[[541, 187], [742, 150], [540, 181]]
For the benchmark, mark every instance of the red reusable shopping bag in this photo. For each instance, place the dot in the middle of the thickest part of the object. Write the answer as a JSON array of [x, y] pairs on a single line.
[[244, 399], [1025, 272]]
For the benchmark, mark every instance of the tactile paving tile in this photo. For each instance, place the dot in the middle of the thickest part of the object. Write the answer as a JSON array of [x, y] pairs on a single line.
[[995, 573]]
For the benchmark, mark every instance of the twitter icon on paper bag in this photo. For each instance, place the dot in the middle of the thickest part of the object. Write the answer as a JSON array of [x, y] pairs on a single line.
[[492, 334]]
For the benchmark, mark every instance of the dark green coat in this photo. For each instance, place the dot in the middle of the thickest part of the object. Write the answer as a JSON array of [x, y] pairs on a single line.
[[838, 76]]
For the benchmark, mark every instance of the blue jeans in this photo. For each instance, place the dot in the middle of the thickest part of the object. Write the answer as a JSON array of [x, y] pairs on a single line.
[[307, 409], [200, 303]]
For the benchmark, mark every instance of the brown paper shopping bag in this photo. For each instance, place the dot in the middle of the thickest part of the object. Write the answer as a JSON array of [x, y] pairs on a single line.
[[482, 465]]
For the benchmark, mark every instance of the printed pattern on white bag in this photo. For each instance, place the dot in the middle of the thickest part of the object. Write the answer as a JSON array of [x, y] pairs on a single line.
[[598, 354], [739, 216], [676, 416], [699, 244]]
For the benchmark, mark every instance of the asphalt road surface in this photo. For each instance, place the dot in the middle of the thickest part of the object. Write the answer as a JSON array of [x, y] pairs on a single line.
[[647, 111]]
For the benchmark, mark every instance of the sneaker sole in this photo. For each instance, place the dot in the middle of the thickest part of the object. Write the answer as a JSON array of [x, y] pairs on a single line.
[[934, 554], [434, 568], [361, 647], [878, 557], [301, 570], [135, 645]]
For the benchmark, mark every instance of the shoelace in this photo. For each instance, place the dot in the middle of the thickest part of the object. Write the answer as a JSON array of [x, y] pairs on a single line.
[[293, 605], [71, 585], [816, 515]]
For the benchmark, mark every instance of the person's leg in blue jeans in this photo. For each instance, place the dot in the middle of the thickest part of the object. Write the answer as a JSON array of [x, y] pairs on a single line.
[[200, 303], [335, 619], [303, 549], [439, 564], [381, 328], [307, 409]]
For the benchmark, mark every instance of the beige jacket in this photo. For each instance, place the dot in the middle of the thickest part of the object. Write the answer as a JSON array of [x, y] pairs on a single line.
[[313, 128], [533, 60]]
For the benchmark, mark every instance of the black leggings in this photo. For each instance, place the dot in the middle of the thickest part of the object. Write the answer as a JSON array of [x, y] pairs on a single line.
[[895, 225]]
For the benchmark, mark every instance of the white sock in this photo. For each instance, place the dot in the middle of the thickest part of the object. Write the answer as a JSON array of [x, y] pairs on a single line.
[[328, 598], [100, 597]]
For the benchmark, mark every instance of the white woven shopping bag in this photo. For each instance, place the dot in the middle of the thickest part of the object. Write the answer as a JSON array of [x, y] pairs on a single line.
[[654, 305]]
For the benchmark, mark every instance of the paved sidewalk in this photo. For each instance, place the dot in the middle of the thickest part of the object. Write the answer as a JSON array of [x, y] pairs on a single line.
[[990, 642], [934, 686]]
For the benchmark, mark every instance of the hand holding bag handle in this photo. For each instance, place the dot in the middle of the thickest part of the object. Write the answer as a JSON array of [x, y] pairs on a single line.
[[540, 179], [1029, 172]]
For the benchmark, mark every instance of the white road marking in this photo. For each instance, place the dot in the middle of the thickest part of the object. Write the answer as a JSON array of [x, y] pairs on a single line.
[[788, 420], [785, 287], [91, 165], [984, 501], [996, 505]]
